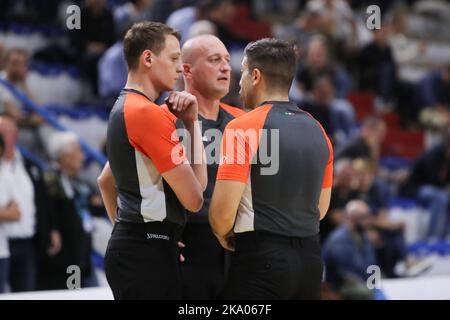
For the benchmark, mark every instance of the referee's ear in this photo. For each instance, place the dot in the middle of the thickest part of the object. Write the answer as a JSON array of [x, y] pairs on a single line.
[[187, 70], [147, 58], [256, 76]]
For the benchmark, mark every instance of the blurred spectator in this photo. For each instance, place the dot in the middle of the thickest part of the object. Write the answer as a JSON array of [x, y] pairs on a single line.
[[390, 242], [182, 20], [429, 19], [277, 11], [162, 9], [416, 57], [47, 238], [345, 185], [16, 72], [202, 27], [373, 191], [367, 143], [318, 63], [308, 24], [429, 181], [133, 11], [112, 72], [434, 92], [336, 115], [218, 12], [435, 89], [29, 12], [112, 69], [31, 125], [384, 5], [95, 36], [2, 56], [348, 253], [221, 13], [377, 68], [21, 245], [391, 247], [405, 50], [7, 105], [340, 24], [9, 211], [338, 16], [70, 202]]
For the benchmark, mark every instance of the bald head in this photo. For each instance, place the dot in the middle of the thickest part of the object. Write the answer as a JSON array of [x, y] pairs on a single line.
[[357, 208], [7, 126], [357, 211], [197, 46], [206, 67]]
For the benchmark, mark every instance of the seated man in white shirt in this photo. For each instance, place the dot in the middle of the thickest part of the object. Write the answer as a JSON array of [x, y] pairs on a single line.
[[8, 212], [22, 262]]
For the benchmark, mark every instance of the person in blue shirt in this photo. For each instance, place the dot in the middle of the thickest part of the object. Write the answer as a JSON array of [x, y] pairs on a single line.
[[391, 248], [429, 182], [112, 68], [348, 252], [434, 100], [434, 89]]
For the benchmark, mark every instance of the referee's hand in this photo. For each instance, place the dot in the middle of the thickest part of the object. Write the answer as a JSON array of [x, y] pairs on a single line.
[[183, 105]]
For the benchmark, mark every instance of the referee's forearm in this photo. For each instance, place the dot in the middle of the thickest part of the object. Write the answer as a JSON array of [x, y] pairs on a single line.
[[110, 201], [109, 196], [220, 226], [198, 156], [106, 184]]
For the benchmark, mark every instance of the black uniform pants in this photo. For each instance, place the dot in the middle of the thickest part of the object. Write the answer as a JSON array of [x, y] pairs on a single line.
[[142, 261], [203, 270], [269, 266]]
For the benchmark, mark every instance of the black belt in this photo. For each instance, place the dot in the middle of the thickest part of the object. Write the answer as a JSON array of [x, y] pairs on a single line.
[[152, 228], [252, 239]]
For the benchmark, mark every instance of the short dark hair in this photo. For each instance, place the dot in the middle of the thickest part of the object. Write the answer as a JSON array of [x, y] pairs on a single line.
[[142, 36], [275, 59]]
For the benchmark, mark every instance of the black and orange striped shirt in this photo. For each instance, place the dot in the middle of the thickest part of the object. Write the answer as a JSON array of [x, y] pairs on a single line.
[[142, 144], [283, 200]]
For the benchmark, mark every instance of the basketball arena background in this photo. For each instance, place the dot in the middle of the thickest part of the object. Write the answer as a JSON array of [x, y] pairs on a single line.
[[376, 74]]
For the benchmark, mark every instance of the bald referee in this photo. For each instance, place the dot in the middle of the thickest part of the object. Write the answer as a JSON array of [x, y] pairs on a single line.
[[271, 217], [207, 75]]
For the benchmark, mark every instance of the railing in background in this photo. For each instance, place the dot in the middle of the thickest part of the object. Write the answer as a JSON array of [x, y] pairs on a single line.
[[50, 119]]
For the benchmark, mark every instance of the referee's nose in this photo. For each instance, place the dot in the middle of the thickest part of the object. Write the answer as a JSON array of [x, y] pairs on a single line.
[[179, 68]]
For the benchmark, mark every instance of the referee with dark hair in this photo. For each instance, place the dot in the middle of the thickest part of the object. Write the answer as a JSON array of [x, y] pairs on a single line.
[[271, 217]]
